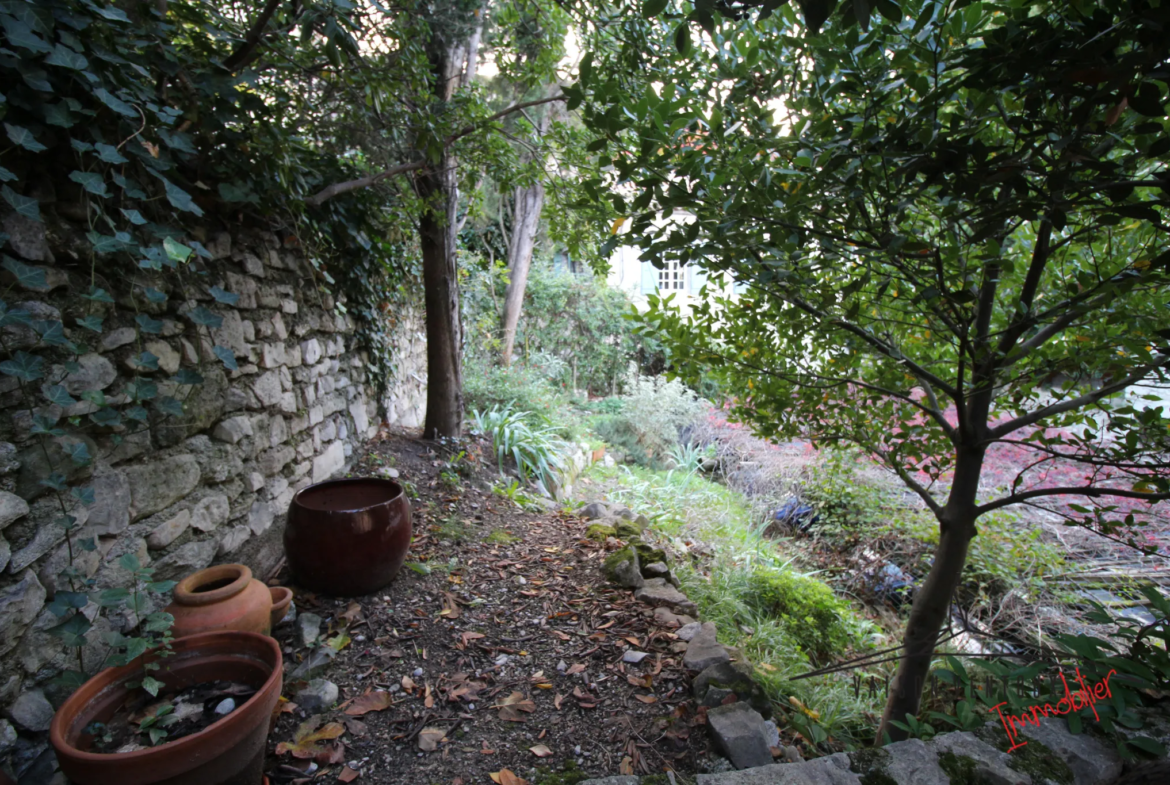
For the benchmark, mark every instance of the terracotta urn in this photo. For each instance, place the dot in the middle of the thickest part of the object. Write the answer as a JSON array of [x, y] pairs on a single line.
[[224, 597], [227, 752], [347, 537]]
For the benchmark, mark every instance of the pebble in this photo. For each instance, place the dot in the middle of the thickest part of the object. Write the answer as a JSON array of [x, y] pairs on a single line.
[[471, 707], [634, 657], [502, 659], [225, 706], [393, 688], [562, 666], [417, 672], [577, 750]]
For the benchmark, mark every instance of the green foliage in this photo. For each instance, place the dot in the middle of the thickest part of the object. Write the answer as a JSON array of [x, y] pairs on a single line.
[[533, 449], [805, 607], [653, 412]]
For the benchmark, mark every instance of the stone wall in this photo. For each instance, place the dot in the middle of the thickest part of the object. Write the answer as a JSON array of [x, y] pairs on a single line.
[[212, 486]]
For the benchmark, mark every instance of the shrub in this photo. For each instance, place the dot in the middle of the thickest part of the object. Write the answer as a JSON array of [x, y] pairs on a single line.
[[807, 608], [652, 414], [534, 449]]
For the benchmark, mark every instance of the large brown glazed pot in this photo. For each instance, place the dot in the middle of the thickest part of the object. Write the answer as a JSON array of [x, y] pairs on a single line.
[[228, 752], [225, 597], [347, 537]]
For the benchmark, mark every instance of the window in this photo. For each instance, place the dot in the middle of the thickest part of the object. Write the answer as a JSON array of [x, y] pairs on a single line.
[[672, 277]]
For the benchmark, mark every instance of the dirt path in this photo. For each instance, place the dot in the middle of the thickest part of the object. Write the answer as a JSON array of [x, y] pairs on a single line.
[[507, 655]]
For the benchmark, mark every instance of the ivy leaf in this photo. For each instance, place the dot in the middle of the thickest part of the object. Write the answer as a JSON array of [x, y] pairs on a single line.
[[133, 216], [177, 141], [170, 406], [142, 390], [179, 198], [107, 418], [188, 377], [23, 366], [58, 115], [59, 395], [148, 324], [112, 598], [234, 192], [176, 251], [221, 296], [20, 34], [6, 176], [154, 295], [98, 295], [202, 316], [115, 103], [110, 154], [132, 188], [226, 356], [43, 424], [24, 138], [83, 494], [25, 205], [137, 413], [79, 453], [65, 601], [111, 13], [72, 631], [200, 250], [92, 323], [104, 244], [91, 182], [26, 275], [80, 146], [67, 58], [56, 481], [51, 331], [146, 361], [37, 79]]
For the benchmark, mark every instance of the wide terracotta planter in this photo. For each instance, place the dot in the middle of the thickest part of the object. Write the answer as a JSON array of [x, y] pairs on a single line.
[[347, 537], [228, 752], [224, 597]]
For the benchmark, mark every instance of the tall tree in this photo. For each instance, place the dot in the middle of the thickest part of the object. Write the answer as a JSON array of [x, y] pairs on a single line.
[[952, 228]]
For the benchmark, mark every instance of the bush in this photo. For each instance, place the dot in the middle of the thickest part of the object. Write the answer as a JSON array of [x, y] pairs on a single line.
[[534, 449], [807, 609], [653, 413]]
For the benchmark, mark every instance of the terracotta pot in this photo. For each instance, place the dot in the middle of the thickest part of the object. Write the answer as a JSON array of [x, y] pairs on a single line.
[[228, 752], [347, 537], [281, 599], [225, 597]]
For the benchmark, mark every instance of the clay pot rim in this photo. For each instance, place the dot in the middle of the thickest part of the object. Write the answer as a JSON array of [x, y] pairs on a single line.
[[296, 499], [116, 678], [187, 593]]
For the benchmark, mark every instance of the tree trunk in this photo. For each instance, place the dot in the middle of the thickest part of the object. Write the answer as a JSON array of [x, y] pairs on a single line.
[[526, 219], [438, 187], [932, 601]]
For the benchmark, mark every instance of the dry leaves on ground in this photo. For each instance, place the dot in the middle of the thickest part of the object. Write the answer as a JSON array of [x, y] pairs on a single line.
[[371, 701], [507, 777], [306, 743], [512, 706], [429, 738]]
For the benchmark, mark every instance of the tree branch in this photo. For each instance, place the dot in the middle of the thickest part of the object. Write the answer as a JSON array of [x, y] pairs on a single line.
[[1072, 490], [327, 193], [247, 47]]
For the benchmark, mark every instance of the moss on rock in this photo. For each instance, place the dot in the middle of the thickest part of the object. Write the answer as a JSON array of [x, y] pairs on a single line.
[[870, 766], [1034, 758], [628, 530], [961, 769], [600, 532]]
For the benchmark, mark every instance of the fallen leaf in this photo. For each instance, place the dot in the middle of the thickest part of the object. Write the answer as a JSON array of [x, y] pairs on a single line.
[[648, 698], [512, 705], [351, 613], [467, 637], [305, 741], [485, 750], [576, 667], [557, 702], [429, 738], [348, 775], [338, 642], [540, 751], [371, 701], [506, 777], [450, 606], [356, 727], [408, 684], [626, 766]]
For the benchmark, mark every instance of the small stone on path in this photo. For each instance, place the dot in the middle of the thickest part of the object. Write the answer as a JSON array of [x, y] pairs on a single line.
[[309, 628], [688, 631], [592, 511], [738, 731], [704, 650], [319, 695], [634, 657], [657, 591]]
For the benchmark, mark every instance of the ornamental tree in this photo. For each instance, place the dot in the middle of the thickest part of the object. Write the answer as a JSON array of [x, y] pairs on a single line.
[[952, 232]]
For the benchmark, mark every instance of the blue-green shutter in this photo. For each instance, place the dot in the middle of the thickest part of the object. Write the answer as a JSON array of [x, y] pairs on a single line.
[[649, 278], [698, 278]]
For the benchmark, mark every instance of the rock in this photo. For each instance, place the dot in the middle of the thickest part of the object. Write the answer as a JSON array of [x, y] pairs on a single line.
[[95, 373], [656, 570], [687, 632], [5, 553], [619, 779], [912, 761], [656, 592], [830, 770], [225, 706], [625, 513], [718, 681], [160, 483], [634, 657], [704, 650], [12, 508], [329, 462], [643, 522], [267, 388], [166, 533], [185, 560], [1087, 758], [118, 338], [210, 512], [260, 517], [792, 754], [388, 472], [110, 512], [7, 737], [25, 236], [41, 459], [273, 461], [168, 358], [32, 711], [232, 539], [233, 429], [621, 569], [627, 531], [592, 511], [19, 605], [738, 732], [310, 351], [772, 734], [665, 617], [989, 764], [319, 695], [317, 659], [309, 628], [600, 532]]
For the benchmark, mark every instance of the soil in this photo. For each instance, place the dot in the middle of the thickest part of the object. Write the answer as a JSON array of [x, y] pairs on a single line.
[[499, 646], [178, 713]]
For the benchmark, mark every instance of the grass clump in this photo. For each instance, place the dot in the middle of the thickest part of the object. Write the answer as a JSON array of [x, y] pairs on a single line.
[[501, 537], [808, 610]]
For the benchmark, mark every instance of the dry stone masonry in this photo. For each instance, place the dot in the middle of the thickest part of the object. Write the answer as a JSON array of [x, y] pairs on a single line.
[[213, 485]]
